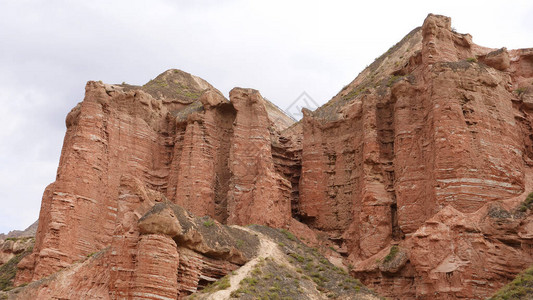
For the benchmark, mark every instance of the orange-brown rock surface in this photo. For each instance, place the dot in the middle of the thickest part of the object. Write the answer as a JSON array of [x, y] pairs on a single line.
[[413, 176], [166, 254], [417, 152], [122, 134], [10, 247]]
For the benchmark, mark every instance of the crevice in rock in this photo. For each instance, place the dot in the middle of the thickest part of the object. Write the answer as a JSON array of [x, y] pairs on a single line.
[[386, 135], [225, 116]]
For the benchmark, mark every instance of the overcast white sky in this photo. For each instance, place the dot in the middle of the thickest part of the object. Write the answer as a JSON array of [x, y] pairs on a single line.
[[49, 49]]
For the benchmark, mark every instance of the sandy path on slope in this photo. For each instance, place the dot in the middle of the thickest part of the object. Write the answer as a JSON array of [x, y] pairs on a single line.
[[267, 248]]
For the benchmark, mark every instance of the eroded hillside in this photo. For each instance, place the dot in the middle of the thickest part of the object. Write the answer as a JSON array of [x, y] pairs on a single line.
[[413, 178]]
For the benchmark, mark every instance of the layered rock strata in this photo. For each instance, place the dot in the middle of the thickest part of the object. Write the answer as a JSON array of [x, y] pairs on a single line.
[[415, 176], [432, 135], [171, 255], [198, 155]]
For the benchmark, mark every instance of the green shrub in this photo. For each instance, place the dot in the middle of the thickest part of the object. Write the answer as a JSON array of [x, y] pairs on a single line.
[[527, 203], [298, 257], [392, 253], [520, 91]]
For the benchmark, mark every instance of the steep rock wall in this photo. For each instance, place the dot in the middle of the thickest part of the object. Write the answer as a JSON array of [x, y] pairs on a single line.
[[440, 132], [412, 176], [195, 156]]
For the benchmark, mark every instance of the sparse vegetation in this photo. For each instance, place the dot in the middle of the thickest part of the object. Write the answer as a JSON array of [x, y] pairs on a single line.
[[392, 253], [354, 93], [9, 270], [172, 85], [471, 59], [520, 288], [393, 79], [520, 91], [209, 223], [527, 203], [263, 284], [288, 234], [221, 284], [297, 257], [271, 278], [23, 239]]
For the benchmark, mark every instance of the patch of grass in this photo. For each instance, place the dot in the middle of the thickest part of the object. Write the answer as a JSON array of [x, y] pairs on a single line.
[[288, 234], [471, 59], [393, 79], [221, 284], [392, 253], [256, 271], [209, 223], [308, 269], [308, 266], [520, 91], [298, 257], [527, 203], [520, 288], [354, 93], [9, 270], [265, 285], [91, 254]]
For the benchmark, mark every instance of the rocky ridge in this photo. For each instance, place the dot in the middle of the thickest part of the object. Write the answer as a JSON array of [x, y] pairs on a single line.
[[30, 231], [414, 177], [14, 246], [207, 260]]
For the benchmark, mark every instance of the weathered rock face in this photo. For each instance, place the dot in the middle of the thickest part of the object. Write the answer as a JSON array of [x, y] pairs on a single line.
[[254, 185], [166, 254], [413, 174], [12, 251], [178, 254], [125, 150], [434, 142], [28, 232], [13, 246]]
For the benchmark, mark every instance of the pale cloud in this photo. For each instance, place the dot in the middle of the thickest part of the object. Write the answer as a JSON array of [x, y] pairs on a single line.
[[49, 49]]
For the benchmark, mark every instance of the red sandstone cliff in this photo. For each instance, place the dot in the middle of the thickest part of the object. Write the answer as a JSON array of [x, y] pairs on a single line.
[[418, 151], [414, 174]]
